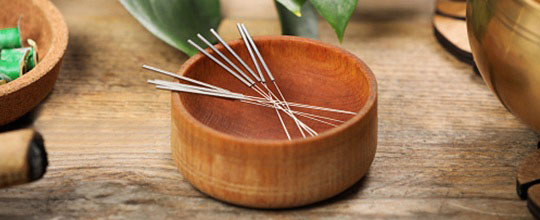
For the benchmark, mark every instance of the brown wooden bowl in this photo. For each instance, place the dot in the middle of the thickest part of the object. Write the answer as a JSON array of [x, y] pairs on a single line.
[[238, 152], [43, 23]]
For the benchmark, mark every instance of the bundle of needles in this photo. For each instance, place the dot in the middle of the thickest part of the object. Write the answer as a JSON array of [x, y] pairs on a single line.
[[266, 99]]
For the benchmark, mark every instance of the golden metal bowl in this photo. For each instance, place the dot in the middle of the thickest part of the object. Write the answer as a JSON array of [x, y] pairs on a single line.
[[505, 41]]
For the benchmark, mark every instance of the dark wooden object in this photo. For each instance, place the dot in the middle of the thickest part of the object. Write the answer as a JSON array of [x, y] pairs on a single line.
[[528, 180], [450, 29]]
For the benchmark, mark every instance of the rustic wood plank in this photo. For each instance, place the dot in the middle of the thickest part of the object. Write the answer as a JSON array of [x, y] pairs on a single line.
[[447, 148]]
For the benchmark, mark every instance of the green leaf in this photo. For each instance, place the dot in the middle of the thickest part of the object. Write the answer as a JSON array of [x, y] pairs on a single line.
[[295, 6], [176, 21], [336, 12], [305, 26]]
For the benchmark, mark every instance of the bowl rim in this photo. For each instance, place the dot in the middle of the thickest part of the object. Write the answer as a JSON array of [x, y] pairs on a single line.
[[365, 109], [54, 54]]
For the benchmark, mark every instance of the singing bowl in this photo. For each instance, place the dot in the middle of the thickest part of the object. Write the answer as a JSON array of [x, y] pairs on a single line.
[[505, 41], [239, 153], [43, 23]]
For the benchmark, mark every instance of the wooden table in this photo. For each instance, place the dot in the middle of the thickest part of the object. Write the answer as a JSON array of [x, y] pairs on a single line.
[[447, 147]]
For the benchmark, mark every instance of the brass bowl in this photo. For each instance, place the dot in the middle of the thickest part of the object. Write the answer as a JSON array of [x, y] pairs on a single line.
[[505, 41]]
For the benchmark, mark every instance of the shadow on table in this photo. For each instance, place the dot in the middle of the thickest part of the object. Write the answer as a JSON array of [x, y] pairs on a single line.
[[25, 121], [349, 193]]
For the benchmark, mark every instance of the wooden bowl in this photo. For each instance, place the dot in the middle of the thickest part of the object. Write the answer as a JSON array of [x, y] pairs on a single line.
[[43, 23], [239, 153]]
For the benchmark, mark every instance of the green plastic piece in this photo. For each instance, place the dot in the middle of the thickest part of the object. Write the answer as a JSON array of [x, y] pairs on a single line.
[[18, 55], [10, 70], [10, 38]]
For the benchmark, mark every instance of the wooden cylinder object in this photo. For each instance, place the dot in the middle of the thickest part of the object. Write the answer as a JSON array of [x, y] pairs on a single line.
[[239, 153], [22, 157]]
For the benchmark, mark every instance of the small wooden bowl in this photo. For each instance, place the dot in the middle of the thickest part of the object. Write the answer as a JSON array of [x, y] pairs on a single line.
[[239, 153], [43, 23]]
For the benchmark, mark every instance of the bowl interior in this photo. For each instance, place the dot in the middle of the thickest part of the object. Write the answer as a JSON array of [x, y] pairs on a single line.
[[34, 24], [306, 71]]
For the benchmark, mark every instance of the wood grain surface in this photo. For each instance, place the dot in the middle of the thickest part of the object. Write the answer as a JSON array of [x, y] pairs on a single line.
[[446, 149]]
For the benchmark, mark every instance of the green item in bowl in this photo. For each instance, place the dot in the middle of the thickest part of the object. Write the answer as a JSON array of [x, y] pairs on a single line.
[[20, 54], [13, 66], [10, 38]]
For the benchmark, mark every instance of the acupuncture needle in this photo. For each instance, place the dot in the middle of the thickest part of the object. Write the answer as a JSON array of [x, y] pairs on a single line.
[[262, 80], [239, 96], [246, 34], [161, 84], [241, 73], [300, 105], [248, 84], [217, 94], [234, 54], [182, 77], [218, 37], [228, 61], [268, 72], [244, 64], [249, 41], [246, 80], [303, 114]]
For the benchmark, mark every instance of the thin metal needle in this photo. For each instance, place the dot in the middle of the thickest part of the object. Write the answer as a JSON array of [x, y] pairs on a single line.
[[246, 42], [224, 58], [249, 83], [182, 77], [244, 64], [256, 50], [262, 80], [235, 55], [314, 107], [173, 84], [162, 84], [300, 105], [245, 33], [299, 113], [268, 72], [180, 89]]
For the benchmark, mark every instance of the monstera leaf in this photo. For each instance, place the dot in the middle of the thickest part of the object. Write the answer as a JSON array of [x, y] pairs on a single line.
[[176, 21]]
